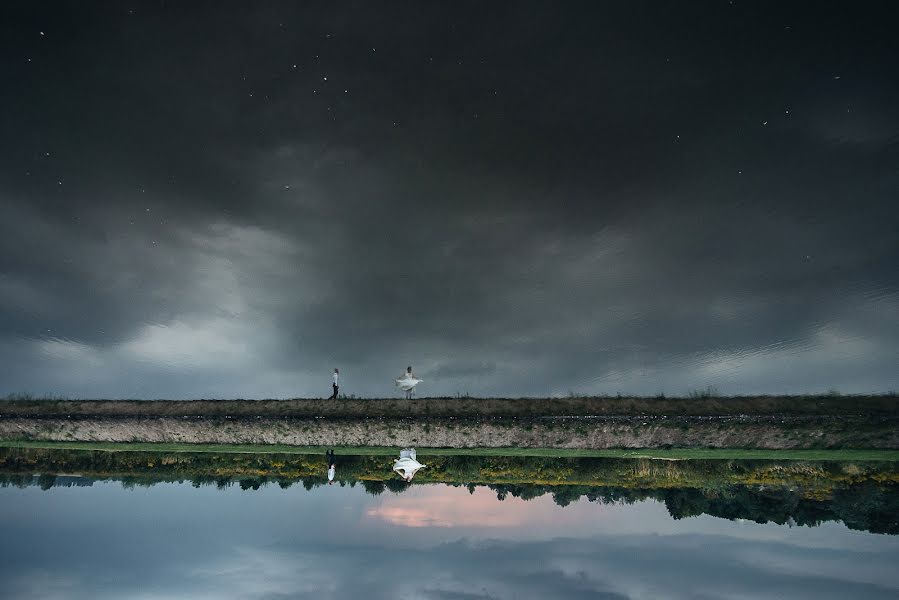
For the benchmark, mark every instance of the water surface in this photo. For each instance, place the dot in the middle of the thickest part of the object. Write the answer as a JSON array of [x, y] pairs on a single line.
[[181, 525]]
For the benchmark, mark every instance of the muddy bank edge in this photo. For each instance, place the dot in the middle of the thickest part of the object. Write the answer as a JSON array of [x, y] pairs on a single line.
[[859, 432]]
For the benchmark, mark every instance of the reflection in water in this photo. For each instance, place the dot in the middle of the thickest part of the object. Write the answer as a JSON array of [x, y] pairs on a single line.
[[862, 495], [331, 461], [477, 507], [406, 465], [156, 525]]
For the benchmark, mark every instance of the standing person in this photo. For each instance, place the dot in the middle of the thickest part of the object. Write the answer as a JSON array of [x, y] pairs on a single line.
[[332, 466], [336, 378]]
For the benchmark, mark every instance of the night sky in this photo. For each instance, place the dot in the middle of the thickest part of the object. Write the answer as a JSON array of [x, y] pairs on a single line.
[[231, 199]]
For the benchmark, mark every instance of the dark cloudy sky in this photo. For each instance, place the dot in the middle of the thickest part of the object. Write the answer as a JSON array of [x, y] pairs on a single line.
[[231, 199]]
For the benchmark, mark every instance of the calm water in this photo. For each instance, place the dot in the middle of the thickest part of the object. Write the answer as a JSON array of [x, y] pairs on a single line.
[[242, 527]]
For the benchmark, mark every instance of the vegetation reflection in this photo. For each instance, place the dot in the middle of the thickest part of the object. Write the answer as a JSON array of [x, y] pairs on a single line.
[[863, 495]]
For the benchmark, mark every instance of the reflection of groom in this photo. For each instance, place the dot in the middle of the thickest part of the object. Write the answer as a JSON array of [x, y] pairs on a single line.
[[332, 466]]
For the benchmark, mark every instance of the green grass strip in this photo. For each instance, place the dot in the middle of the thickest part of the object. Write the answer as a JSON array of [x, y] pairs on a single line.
[[655, 453]]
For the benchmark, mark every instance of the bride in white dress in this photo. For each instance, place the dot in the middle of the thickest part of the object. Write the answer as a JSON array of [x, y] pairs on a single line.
[[407, 382]]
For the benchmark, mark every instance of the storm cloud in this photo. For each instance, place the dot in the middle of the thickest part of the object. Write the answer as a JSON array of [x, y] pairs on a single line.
[[517, 199]]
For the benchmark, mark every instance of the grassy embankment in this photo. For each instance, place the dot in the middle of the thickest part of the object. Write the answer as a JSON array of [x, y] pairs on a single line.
[[673, 427], [883, 405]]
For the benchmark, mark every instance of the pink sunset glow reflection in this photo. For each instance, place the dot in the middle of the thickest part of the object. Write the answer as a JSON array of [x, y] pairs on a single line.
[[451, 507]]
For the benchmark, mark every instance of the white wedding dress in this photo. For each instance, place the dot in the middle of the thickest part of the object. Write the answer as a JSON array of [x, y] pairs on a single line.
[[407, 383], [406, 465]]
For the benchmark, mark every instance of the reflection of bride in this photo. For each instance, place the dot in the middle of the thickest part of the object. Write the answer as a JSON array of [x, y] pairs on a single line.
[[406, 465]]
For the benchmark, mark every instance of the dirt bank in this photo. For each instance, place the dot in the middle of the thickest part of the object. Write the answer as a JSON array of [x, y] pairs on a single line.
[[598, 433], [882, 405]]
